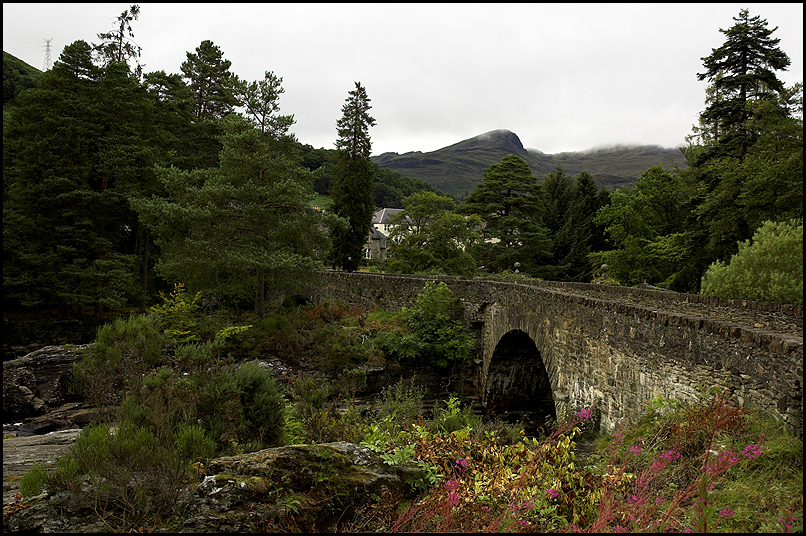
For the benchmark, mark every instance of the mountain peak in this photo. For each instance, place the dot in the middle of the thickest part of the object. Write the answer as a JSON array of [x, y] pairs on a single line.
[[499, 139]]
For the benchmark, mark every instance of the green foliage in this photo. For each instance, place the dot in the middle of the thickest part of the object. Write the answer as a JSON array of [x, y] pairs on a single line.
[[124, 350], [509, 203], [767, 268], [644, 223], [17, 76], [179, 315], [740, 71], [246, 222], [129, 470], [33, 481], [432, 331], [454, 417], [352, 181], [241, 408], [76, 151], [429, 238]]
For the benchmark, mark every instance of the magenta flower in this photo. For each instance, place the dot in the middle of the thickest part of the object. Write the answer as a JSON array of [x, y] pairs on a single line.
[[727, 513], [552, 493], [752, 451], [636, 449], [584, 414]]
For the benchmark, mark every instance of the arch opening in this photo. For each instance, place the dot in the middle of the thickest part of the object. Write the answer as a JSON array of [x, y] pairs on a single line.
[[518, 387]]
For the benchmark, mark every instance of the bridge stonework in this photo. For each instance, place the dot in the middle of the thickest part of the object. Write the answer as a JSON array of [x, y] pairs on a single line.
[[611, 347]]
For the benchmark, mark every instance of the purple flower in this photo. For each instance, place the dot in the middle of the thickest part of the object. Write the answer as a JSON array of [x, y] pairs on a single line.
[[727, 513], [584, 414], [752, 451], [552, 493], [636, 449]]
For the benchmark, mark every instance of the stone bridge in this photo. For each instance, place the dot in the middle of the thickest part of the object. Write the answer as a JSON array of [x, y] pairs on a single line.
[[545, 348]]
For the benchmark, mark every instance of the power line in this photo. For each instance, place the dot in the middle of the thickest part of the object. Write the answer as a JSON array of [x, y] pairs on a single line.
[[48, 62]]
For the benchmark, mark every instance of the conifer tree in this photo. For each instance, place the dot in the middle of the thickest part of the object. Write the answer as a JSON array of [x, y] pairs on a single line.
[[74, 152], [352, 187], [508, 201], [741, 71]]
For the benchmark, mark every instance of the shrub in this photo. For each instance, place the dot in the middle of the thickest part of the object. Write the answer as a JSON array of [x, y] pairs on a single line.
[[434, 332], [123, 352], [241, 408], [767, 268], [129, 471]]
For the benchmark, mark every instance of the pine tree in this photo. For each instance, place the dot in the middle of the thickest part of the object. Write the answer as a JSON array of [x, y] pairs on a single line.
[[211, 82], [508, 201], [246, 223], [352, 187], [742, 70]]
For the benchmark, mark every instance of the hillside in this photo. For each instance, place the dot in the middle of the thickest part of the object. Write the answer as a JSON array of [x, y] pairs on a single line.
[[17, 76], [456, 169]]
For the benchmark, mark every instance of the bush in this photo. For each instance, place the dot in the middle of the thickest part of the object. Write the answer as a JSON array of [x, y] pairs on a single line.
[[124, 350], [241, 409], [129, 471], [434, 335], [767, 268]]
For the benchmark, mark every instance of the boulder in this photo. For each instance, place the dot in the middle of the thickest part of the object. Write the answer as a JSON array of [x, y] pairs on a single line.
[[38, 382], [296, 488]]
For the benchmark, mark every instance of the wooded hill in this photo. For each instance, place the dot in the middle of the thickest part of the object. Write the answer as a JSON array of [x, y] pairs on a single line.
[[17, 76], [456, 169]]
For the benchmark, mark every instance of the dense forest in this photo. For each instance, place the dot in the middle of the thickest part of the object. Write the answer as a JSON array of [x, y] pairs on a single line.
[[119, 184]]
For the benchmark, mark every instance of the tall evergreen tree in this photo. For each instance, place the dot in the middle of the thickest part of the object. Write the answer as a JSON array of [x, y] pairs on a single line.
[[118, 46], [508, 201], [352, 187], [746, 155], [209, 78], [742, 70]]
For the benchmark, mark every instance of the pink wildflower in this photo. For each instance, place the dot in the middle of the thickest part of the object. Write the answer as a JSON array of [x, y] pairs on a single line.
[[727, 513], [552, 493], [752, 451], [584, 414]]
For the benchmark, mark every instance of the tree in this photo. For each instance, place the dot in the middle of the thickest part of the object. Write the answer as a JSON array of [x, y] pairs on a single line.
[[742, 70], [433, 333], [247, 222], [767, 268], [746, 156], [117, 45], [211, 82], [575, 235], [508, 202], [429, 237], [74, 153], [352, 179], [646, 225]]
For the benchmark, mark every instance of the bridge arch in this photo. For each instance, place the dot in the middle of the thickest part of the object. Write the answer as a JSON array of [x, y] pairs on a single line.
[[518, 387]]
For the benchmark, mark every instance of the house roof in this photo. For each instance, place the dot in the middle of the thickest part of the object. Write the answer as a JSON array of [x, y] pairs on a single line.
[[384, 216]]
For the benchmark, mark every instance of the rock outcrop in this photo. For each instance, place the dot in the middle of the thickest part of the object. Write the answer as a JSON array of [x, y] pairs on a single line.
[[296, 488]]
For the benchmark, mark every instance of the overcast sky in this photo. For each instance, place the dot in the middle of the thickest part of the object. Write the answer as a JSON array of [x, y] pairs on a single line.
[[563, 77]]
